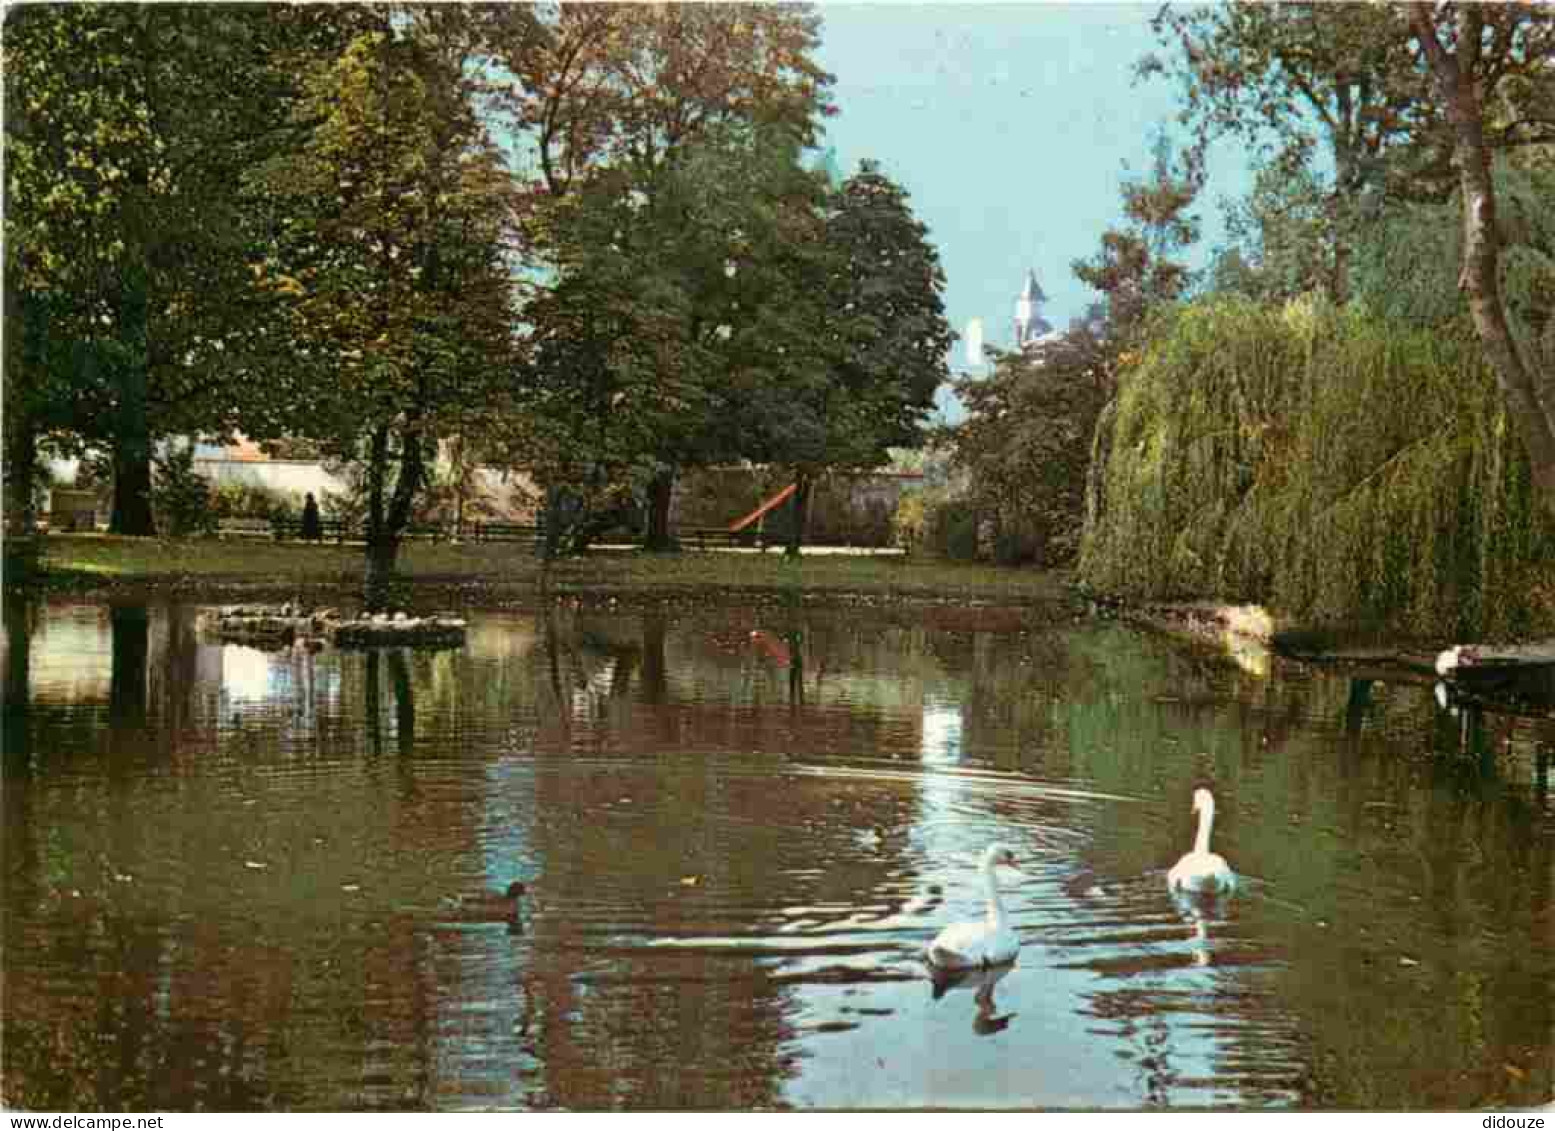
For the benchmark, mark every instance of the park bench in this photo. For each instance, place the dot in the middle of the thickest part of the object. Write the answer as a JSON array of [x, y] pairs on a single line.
[[719, 537], [428, 531], [503, 531], [244, 528]]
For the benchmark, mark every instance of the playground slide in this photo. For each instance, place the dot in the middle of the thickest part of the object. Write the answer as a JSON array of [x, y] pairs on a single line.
[[775, 500]]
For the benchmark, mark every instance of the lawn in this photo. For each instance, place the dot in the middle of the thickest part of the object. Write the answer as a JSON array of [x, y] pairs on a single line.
[[509, 572]]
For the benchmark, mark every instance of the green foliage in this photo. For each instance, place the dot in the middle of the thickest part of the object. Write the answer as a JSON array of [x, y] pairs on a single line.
[[910, 522], [937, 521], [1025, 447], [885, 309], [128, 128], [252, 501], [1265, 454], [1406, 266], [1281, 238], [730, 308], [181, 494], [617, 86], [1134, 269], [1025, 444], [1290, 78], [953, 531], [387, 264]]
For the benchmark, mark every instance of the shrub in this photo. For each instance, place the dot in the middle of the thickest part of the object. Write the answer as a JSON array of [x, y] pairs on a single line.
[[181, 495], [251, 500]]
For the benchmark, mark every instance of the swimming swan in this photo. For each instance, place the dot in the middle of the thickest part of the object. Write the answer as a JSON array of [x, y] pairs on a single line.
[[980, 942], [1202, 870]]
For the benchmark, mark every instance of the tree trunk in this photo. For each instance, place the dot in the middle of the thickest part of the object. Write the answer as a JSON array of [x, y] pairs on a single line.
[[801, 513], [132, 485], [378, 587], [132, 436], [21, 471], [24, 362], [386, 523], [1339, 283], [404, 692], [16, 707], [1532, 409], [127, 685], [373, 696], [795, 668], [655, 682], [661, 493]]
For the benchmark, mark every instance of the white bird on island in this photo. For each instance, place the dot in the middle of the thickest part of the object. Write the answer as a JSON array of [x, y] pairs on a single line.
[[980, 942], [1202, 870], [1458, 656]]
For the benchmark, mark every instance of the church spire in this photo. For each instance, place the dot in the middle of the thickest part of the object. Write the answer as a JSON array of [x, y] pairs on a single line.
[[1029, 323]]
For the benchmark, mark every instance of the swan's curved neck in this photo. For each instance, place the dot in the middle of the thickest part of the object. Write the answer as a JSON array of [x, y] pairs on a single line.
[[995, 905], [1206, 820]]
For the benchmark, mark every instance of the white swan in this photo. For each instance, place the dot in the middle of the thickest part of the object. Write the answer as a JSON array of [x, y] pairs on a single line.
[[980, 942], [1202, 870]]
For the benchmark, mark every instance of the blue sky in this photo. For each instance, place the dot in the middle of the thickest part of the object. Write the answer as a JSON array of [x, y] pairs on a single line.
[[1009, 124]]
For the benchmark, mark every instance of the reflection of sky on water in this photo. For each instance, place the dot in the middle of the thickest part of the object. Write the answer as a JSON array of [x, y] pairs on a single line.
[[248, 675], [941, 732], [70, 656]]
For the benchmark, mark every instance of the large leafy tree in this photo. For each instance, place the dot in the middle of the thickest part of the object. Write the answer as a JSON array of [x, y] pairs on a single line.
[[868, 385], [1413, 101], [627, 102], [388, 264], [1494, 73], [127, 129], [1310, 86], [622, 85], [1138, 267], [1025, 444], [674, 310]]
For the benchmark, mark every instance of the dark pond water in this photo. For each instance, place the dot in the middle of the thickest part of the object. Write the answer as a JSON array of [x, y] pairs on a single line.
[[226, 871]]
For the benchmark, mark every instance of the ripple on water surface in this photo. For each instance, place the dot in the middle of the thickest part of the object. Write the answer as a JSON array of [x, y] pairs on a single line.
[[228, 873]]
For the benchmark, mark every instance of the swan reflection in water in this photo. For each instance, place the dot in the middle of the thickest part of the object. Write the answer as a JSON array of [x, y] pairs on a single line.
[[1199, 910], [980, 981]]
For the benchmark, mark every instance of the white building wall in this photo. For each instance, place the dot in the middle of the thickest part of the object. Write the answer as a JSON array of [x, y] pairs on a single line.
[[296, 477]]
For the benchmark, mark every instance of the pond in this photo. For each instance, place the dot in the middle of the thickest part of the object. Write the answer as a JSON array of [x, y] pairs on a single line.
[[228, 871]]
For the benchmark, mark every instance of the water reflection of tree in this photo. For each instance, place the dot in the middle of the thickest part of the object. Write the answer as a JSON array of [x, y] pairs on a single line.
[[128, 685], [688, 840], [269, 940], [174, 675], [20, 614]]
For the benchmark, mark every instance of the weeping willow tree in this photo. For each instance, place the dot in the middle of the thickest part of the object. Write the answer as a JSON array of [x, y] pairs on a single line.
[[1339, 467]]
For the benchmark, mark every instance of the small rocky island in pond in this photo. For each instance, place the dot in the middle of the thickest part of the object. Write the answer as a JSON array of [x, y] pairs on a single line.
[[291, 624]]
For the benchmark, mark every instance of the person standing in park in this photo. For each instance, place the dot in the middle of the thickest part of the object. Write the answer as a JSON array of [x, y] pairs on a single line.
[[312, 527]]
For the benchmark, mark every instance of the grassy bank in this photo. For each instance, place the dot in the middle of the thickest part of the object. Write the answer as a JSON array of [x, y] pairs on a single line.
[[509, 574]]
